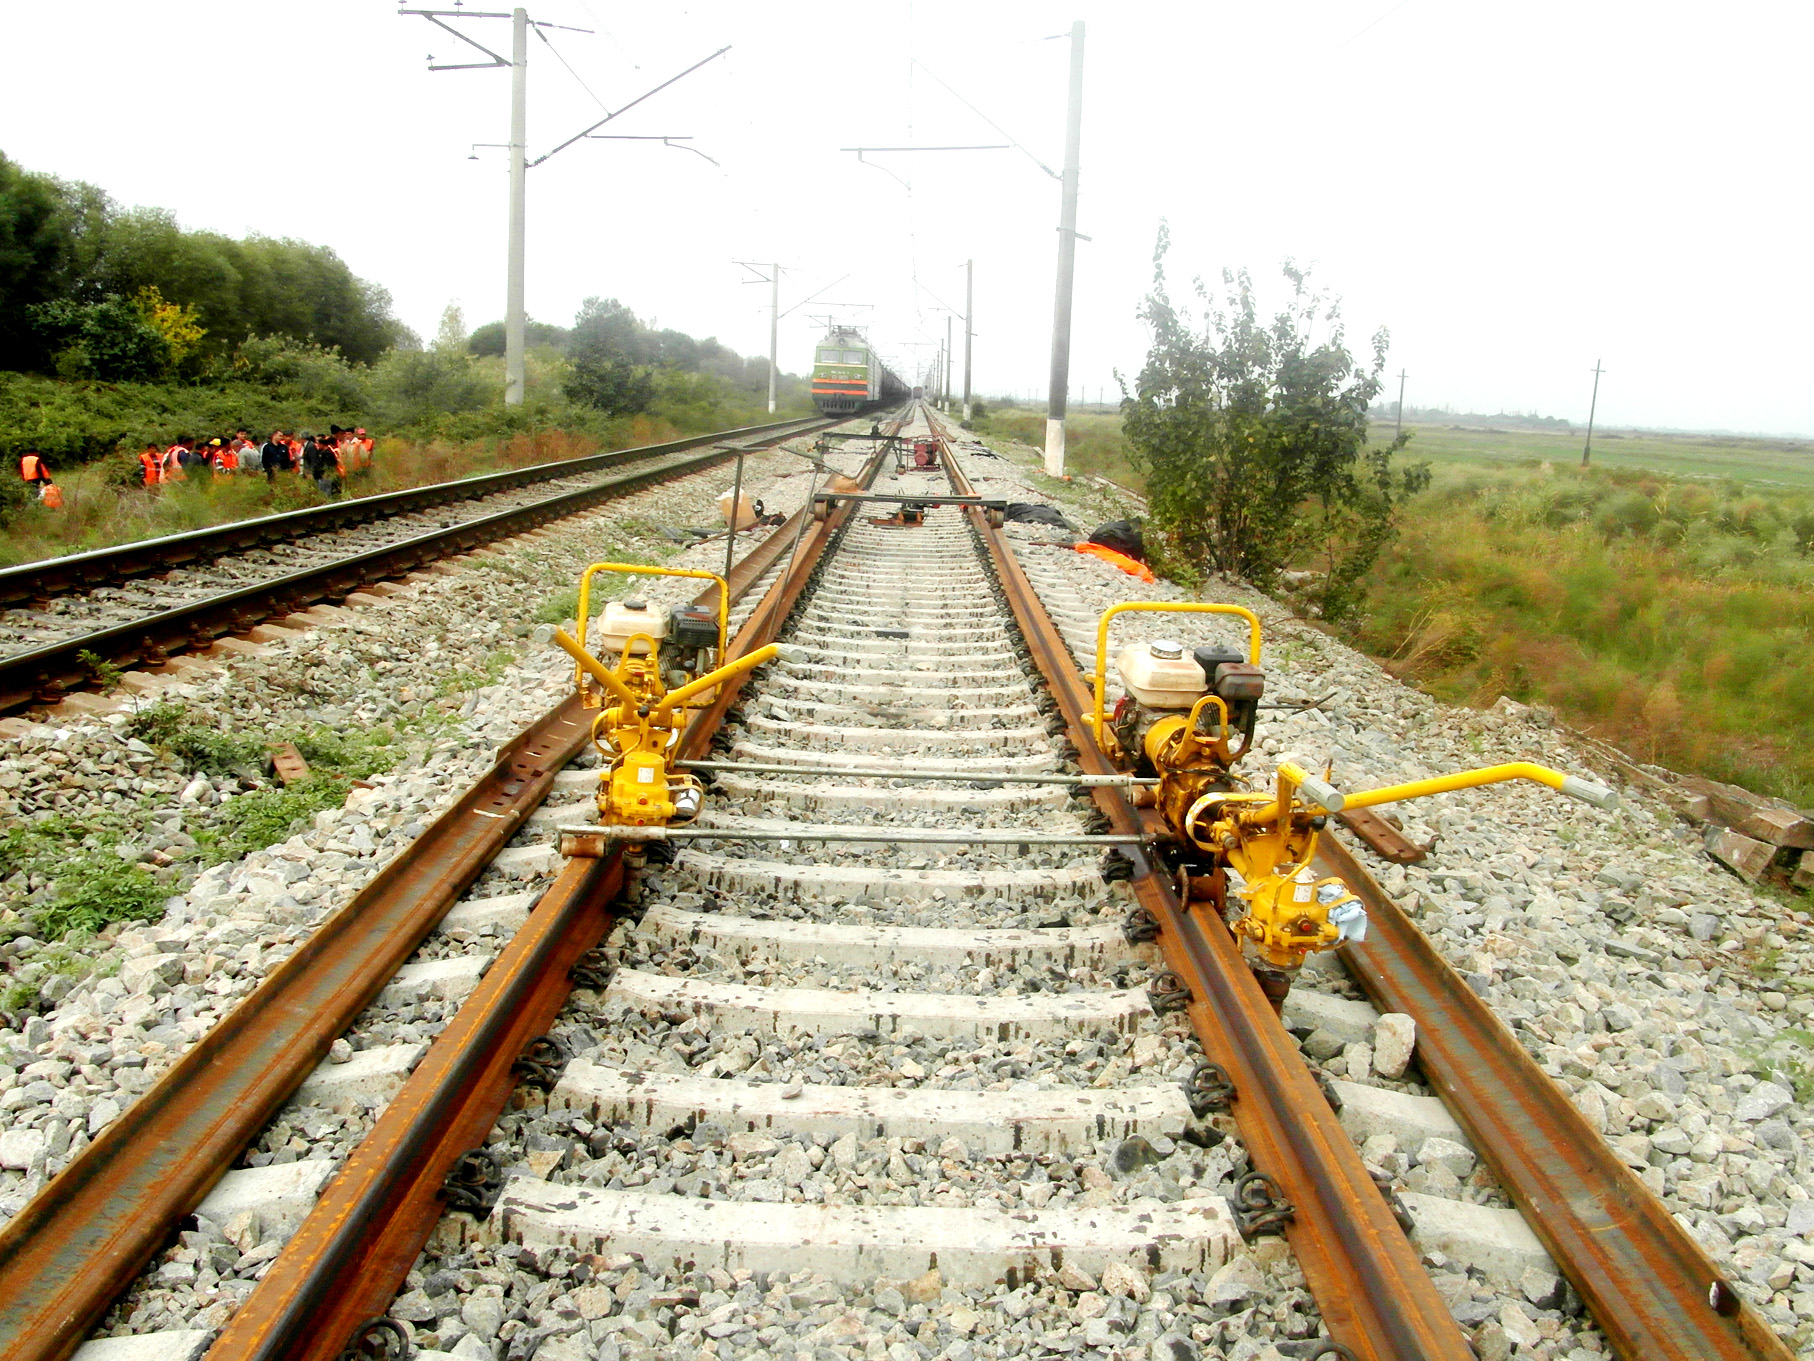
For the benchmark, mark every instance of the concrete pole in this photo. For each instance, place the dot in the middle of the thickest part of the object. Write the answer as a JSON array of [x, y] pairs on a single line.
[[947, 363], [1592, 406], [519, 140], [1067, 260], [1399, 429], [774, 331], [969, 282]]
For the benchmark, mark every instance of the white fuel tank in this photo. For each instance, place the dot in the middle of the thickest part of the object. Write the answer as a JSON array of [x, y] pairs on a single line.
[[1160, 674], [622, 620]]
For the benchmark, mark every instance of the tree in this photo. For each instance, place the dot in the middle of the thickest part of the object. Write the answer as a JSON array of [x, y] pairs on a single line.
[[613, 386], [1253, 438]]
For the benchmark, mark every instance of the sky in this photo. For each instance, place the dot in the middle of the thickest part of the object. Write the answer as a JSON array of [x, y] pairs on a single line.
[[1514, 192]]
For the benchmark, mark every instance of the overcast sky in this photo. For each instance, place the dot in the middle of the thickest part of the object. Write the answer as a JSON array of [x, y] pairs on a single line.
[[1514, 191]]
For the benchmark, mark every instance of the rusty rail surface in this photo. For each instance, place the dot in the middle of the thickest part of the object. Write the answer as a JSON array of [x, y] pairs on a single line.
[[1376, 1299], [89, 1233], [1647, 1283], [349, 1259], [75, 572]]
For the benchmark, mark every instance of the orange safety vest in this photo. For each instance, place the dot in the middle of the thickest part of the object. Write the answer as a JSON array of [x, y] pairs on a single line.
[[153, 465], [32, 469], [51, 498]]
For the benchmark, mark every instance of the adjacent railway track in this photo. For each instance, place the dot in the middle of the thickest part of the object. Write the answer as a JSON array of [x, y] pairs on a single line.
[[65, 1257], [178, 616], [843, 1014]]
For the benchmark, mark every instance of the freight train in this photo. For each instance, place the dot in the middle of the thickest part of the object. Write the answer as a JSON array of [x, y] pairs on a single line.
[[848, 376]]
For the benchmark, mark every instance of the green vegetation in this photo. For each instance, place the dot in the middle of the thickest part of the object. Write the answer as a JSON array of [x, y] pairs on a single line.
[[91, 290], [1753, 459], [1668, 609], [118, 328], [1094, 442], [1673, 618], [1254, 439]]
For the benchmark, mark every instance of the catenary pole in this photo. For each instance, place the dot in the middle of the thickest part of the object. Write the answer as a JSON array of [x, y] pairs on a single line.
[[969, 285], [774, 331], [1067, 261], [1399, 429], [519, 148], [947, 363], [1592, 406]]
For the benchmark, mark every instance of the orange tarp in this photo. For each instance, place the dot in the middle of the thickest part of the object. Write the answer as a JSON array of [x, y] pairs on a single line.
[[1121, 560]]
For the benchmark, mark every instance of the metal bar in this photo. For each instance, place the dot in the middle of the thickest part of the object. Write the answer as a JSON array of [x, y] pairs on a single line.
[[987, 503], [1115, 780], [88, 1234], [915, 836], [1646, 1282], [381, 1207], [1374, 1295]]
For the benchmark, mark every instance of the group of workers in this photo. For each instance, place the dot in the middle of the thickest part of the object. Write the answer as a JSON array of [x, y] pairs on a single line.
[[329, 459]]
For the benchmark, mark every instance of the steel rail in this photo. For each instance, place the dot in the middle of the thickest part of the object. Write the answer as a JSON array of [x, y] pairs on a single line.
[[348, 1260], [42, 674], [1375, 1297], [92, 1229], [81, 572], [1652, 1289], [87, 1235]]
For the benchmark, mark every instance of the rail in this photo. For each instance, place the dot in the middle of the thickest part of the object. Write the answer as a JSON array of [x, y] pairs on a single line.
[[77, 1244], [349, 1258], [35, 581], [1375, 1296], [44, 674], [1651, 1288]]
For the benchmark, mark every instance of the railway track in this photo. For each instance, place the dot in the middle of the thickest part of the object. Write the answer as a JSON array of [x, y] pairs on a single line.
[[878, 1055], [63, 618]]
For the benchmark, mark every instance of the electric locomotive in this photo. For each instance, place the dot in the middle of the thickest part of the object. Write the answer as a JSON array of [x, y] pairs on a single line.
[[849, 377]]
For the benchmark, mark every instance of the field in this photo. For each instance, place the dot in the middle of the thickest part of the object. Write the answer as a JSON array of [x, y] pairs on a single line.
[[1751, 459], [1662, 599]]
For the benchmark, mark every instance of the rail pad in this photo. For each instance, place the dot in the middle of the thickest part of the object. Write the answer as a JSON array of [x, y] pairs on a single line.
[[850, 1244]]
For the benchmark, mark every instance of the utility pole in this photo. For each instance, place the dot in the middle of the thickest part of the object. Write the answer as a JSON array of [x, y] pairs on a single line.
[[774, 318], [518, 147], [774, 335], [1400, 428], [1067, 261], [519, 174], [947, 363], [969, 282], [1592, 405]]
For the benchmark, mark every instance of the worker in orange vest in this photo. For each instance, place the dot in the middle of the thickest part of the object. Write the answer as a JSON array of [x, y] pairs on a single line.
[[152, 461], [34, 470]]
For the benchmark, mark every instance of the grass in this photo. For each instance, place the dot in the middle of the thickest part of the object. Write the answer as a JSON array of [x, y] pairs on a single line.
[[1662, 599], [1094, 443], [1752, 459], [1672, 618], [78, 881], [104, 505]]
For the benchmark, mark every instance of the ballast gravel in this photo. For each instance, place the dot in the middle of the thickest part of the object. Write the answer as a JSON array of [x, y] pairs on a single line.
[[1661, 992], [1664, 994], [98, 1019]]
